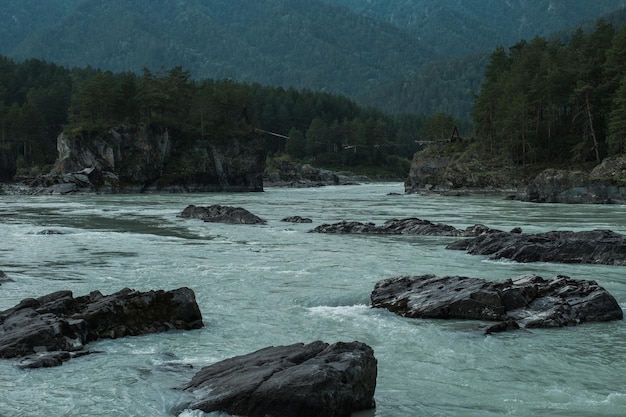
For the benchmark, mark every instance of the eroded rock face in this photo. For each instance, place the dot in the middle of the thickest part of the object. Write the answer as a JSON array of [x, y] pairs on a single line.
[[221, 214], [312, 380], [526, 301], [593, 247], [47, 330], [139, 158]]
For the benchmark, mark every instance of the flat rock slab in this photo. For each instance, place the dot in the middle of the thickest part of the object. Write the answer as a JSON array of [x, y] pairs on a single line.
[[48, 330], [412, 226], [526, 301], [312, 380], [221, 214], [591, 247]]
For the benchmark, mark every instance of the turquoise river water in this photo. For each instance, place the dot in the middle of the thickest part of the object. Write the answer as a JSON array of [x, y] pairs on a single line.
[[277, 284]]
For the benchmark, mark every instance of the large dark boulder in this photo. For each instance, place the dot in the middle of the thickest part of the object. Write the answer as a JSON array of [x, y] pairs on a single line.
[[593, 247], [45, 331], [312, 380], [411, 226], [529, 300], [221, 214]]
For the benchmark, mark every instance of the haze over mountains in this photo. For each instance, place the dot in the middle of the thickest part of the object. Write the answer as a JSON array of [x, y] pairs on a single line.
[[398, 55]]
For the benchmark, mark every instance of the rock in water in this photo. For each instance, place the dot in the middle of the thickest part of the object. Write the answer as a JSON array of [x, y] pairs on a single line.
[[528, 300], [592, 247], [408, 226], [47, 329], [312, 380], [221, 214]]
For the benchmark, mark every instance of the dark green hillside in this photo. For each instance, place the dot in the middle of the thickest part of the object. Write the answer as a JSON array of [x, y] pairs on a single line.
[[275, 42], [418, 56], [464, 27]]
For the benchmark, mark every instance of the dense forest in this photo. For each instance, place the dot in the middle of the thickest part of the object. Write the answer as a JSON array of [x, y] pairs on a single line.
[[39, 99], [400, 56], [551, 102]]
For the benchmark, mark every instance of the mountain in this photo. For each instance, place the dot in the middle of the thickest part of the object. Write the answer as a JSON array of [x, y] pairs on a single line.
[[456, 28], [276, 42], [397, 55]]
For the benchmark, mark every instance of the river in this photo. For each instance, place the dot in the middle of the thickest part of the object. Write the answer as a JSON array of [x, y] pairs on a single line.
[[274, 284]]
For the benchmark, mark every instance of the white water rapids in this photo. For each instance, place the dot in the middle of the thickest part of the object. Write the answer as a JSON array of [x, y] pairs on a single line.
[[278, 284]]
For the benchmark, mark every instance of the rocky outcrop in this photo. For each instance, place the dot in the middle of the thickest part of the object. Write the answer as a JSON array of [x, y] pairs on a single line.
[[294, 175], [221, 214], [467, 173], [412, 226], [432, 172], [602, 186], [139, 158], [312, 380], [591, 247], [48, 330], [526, 301]]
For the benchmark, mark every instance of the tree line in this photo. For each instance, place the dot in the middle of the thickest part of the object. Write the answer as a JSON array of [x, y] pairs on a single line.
[[39, 99], [555, 102]]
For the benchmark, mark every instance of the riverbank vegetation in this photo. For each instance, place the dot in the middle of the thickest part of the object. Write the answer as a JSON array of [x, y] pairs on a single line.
[[548, 102]]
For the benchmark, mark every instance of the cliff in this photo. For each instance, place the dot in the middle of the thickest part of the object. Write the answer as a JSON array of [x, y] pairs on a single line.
[[435, 172], [605, 184], [131, 159]]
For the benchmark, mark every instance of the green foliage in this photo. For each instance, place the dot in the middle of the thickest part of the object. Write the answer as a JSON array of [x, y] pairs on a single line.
[[546, 101]]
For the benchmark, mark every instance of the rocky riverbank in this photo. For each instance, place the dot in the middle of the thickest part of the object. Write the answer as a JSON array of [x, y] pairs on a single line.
[[293, 175], [135, 159], [466, 173]]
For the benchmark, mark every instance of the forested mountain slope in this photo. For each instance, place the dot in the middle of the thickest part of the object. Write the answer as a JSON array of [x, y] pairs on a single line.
[[397, 55], [275, 42], [465, 27]]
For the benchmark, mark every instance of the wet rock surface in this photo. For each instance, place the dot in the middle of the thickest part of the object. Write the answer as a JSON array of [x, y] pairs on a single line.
[[411, 225], [590, 247], [221, 214], [528, 301], [48, 330], [297, 219], [299, 380]]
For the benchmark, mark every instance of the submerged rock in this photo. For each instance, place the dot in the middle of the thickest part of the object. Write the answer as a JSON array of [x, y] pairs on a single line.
[[4, 277], [528, 301], [412, 226], [221, 214], [312, 380], [592, 247], [48, 330]]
